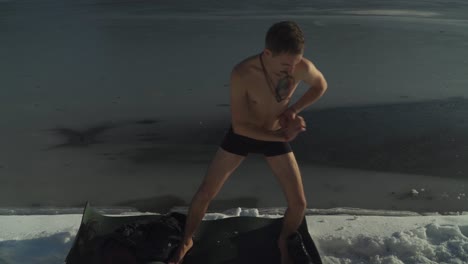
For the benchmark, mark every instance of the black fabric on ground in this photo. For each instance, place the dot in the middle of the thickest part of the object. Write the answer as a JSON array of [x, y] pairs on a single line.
[[225, 241], [297, 249], [139, 241], [152, 241]]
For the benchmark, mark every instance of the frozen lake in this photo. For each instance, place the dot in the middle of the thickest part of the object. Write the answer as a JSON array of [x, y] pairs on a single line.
[[129, 92]]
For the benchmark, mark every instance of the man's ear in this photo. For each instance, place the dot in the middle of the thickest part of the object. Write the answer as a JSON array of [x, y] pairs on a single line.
[[268, 52]]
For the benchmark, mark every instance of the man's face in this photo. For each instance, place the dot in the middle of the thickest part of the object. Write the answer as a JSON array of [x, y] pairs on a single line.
[[282, 67], [285, 63]]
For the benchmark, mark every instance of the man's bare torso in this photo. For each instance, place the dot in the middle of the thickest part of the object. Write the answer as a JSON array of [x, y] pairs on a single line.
[[263, 107]]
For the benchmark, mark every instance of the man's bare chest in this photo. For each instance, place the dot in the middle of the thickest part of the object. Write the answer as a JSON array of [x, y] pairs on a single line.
[[263, 98]]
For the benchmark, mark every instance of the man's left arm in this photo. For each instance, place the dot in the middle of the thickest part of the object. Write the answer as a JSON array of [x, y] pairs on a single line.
[[318, 85]]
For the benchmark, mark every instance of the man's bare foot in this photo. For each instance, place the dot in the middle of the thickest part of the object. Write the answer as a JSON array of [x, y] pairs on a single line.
[[181, 251], [285, 258]]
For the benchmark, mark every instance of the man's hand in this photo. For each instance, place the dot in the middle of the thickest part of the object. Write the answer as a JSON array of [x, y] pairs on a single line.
[[293, 128], [286, 117]]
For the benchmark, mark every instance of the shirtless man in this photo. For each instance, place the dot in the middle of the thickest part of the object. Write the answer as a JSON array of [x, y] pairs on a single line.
[[263, 122]]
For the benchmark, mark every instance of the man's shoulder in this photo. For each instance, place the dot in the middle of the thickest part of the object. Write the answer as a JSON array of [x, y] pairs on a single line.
[[305, 64], [305, 67], [245, 67], [306, 71]]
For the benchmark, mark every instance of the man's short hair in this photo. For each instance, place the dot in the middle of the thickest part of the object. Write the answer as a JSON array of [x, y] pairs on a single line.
[[285, 37]]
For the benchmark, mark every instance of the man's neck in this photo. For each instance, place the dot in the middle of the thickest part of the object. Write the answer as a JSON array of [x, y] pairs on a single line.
[[266, 63]]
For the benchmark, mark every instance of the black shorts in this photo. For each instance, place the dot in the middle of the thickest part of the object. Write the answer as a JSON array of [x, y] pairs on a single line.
[[242, 145]]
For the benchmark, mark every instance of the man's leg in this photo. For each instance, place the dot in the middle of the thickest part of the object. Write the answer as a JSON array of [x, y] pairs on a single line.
[[287, 172], [222, 166]]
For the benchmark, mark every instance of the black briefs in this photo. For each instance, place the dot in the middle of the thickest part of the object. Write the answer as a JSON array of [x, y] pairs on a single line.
[[242, 145]]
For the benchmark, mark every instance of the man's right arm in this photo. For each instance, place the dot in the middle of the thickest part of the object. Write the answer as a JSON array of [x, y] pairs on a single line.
[[241, 123]]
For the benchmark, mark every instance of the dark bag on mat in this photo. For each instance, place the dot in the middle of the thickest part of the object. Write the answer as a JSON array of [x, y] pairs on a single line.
[[138, 242]]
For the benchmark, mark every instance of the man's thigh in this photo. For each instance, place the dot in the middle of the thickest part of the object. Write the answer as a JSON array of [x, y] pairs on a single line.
[[286, 170], [224, 163]]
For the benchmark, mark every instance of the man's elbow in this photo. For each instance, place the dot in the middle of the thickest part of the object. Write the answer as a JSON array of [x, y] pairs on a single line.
[[322, 84]]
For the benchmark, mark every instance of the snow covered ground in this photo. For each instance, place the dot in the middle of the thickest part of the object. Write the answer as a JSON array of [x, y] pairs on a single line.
[[355, 237]]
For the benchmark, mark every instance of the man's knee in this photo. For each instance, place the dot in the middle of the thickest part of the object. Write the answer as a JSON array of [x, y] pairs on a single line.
[[299, 204]]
